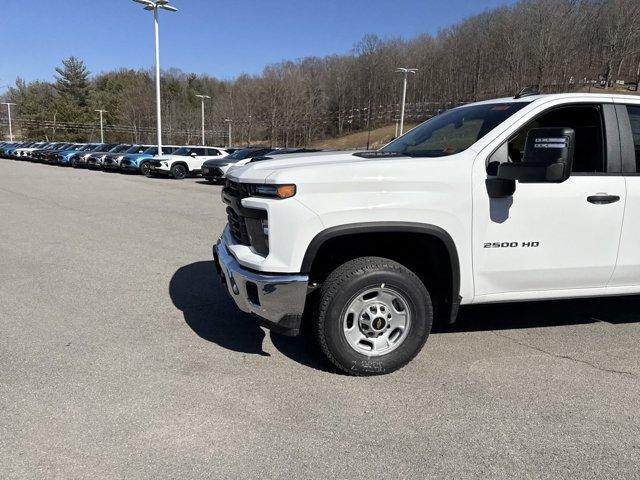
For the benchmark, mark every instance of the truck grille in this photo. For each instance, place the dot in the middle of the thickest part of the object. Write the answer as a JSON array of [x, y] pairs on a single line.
[[245, 224], [238, 227], [155, 163]]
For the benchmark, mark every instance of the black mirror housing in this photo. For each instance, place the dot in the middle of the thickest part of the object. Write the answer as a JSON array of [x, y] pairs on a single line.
[[548, 157]]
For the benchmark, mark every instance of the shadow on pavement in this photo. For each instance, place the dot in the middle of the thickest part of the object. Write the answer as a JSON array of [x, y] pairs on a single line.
[[212, 315], [551, 313], [209, 312], [207, 182]]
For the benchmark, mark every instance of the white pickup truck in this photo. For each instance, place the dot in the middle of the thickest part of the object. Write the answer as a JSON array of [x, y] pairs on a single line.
[[513, 199]]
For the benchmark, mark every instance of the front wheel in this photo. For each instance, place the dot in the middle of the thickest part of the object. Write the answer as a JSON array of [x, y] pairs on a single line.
[[178, 172], [373, 316], [144, 168]]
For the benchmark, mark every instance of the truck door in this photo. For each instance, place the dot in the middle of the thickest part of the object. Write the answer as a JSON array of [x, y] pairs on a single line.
[[552, 237], [627, 272]]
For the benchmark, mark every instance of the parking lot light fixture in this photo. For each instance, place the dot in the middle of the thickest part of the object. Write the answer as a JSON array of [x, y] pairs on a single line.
[[405, 72], [202, 97], [8, 104], [154, 6], [101, 112]]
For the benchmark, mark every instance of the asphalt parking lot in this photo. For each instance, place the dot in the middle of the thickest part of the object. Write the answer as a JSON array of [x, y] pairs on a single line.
[[121, 357]]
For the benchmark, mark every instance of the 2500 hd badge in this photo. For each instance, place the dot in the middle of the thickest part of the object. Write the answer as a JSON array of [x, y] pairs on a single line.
[[511, 244]]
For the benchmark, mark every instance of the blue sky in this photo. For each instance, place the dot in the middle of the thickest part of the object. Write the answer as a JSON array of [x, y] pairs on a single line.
[[222, 38]]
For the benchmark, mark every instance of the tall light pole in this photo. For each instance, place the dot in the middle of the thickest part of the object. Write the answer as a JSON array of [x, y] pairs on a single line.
[[154, 6], [8, 104], [405, 72], [101, 125], [228, 120], [202, 97]]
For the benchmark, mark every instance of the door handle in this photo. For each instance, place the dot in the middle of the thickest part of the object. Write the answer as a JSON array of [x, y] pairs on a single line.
[[602, 199]]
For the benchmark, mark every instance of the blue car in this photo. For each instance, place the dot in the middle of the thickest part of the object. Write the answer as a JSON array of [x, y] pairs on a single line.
[[8, 151], [63, 157], [139, 162]]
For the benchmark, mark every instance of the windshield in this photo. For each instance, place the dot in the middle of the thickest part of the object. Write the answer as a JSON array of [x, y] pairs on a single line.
[[136, 149], [453, 131], [183, 151], [119, 148]]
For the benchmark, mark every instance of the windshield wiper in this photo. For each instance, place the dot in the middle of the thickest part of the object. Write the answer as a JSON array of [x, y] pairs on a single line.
[[379, 154]]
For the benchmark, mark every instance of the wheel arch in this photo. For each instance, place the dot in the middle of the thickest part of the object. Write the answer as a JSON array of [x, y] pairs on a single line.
[[180, 162], [435, 234]]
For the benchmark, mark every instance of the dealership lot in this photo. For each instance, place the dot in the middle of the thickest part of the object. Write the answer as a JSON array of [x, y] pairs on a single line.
[[121, 356]]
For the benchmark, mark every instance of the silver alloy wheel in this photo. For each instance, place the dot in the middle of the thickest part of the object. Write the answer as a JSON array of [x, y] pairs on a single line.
[[376, 321]]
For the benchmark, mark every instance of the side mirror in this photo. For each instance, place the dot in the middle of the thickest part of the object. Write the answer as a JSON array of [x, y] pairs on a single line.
[[194, 154], [498, 187], [548, 157]]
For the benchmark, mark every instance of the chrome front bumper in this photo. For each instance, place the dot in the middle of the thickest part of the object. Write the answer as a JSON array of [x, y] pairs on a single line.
[[277, 299]]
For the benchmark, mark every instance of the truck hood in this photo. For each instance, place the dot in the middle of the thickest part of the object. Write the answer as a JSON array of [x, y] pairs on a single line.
[[265, 171]]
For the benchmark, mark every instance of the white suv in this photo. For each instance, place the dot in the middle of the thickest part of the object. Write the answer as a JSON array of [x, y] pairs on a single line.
[[184, 161]]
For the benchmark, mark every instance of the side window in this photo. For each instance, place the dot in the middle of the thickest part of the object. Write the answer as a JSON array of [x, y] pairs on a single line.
[[634, 119], [212, 152], [198, 151], [585, 120]]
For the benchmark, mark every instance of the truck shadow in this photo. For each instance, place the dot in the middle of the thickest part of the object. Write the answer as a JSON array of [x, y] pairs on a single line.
[[550, 313], [212, 315]]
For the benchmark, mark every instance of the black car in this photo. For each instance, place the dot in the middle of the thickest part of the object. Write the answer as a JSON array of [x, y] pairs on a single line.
[[287, 151], [216, 170], [112, 161], [44, 155], [96, 159], [80, 158]]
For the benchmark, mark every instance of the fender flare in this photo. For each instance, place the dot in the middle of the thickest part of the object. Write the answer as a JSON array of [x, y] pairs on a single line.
[[387, 227], [180, 162]]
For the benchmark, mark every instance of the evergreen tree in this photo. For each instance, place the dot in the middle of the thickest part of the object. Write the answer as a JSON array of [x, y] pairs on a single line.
[[73, 87], [72, 81]]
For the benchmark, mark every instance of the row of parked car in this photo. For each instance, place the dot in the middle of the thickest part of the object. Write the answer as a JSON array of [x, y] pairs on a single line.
[[178, 162]]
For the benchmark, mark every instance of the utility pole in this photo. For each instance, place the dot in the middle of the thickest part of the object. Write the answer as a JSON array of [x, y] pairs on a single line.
[[154, 6], [8, 104], [202, 97], [101, 125], [228, 120], [405, 72], [249, 129]]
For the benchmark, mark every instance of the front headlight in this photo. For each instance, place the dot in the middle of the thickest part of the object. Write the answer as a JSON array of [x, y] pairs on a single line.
[[273, 191], [165, 164]]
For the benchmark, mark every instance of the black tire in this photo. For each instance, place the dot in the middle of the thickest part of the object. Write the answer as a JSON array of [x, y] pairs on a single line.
[[179, 171], [337, 292], [73, 163], [144, 168]]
